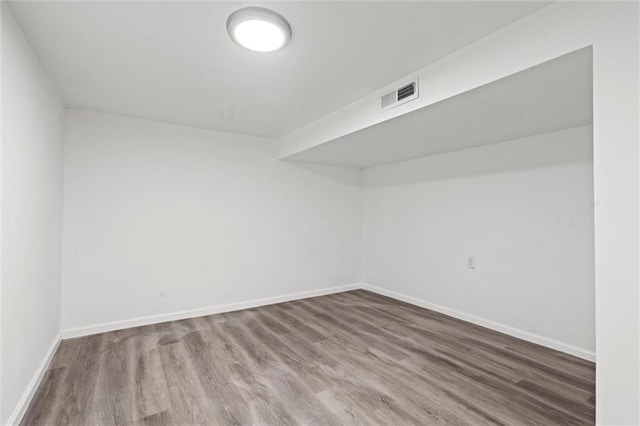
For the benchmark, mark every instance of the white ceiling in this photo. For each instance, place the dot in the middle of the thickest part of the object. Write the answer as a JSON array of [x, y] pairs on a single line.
[[555, 95], [173, 61]]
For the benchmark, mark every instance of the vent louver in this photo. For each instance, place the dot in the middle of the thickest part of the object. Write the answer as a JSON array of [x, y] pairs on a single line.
[[405, 93]]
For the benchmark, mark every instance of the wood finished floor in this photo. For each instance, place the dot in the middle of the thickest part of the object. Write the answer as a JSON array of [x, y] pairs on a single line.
[[348, 358]]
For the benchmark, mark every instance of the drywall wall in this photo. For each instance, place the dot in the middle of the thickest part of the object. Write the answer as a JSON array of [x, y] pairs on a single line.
[[161, 218], [522, 209], [32, 115], [612, 29]]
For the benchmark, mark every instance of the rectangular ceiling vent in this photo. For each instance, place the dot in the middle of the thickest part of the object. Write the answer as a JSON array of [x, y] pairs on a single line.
[[405, 93]]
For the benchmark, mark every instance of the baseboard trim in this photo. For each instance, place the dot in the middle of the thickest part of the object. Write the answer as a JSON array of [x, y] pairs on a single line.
[[32, 387], [502, 328], [230, 307], [210, 310]]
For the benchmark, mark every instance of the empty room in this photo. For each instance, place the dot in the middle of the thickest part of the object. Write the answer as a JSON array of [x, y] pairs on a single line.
[[320, 213]]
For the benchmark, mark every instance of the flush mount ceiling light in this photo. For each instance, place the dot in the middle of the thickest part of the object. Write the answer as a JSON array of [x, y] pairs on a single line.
[[258, 29]]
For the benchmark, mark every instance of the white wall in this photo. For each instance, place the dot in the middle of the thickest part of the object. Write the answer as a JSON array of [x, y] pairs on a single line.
[[32, 116], [161, 218], [523, 209], [612, 28]]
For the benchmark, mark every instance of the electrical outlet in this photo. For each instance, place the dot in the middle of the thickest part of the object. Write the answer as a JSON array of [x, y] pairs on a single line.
[[471, 262]]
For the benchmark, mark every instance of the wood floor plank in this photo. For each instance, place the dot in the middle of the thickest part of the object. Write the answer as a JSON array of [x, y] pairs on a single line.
[[46, 401], [189, 402], [353, 358], [282, 315], [75, 404], [151, 391]]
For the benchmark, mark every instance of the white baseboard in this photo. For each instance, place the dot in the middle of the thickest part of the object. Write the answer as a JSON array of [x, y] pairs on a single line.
[[217, 309], [502, 328], [210, 310], [31, 389]]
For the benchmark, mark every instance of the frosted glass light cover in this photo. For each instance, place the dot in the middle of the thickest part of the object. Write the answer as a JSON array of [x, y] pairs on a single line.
[[258, 29]]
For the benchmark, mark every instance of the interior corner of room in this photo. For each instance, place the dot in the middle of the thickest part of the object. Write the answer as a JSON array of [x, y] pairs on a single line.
[[147, 182]]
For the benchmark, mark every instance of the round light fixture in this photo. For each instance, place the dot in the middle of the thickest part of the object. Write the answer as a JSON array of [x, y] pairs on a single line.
[[258, 29]]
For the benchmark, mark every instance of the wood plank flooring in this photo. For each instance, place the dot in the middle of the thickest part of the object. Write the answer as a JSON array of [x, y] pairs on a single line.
[[348, 358]]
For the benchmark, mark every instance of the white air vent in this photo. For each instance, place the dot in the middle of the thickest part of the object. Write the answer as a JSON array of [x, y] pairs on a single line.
[[405, 93]]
